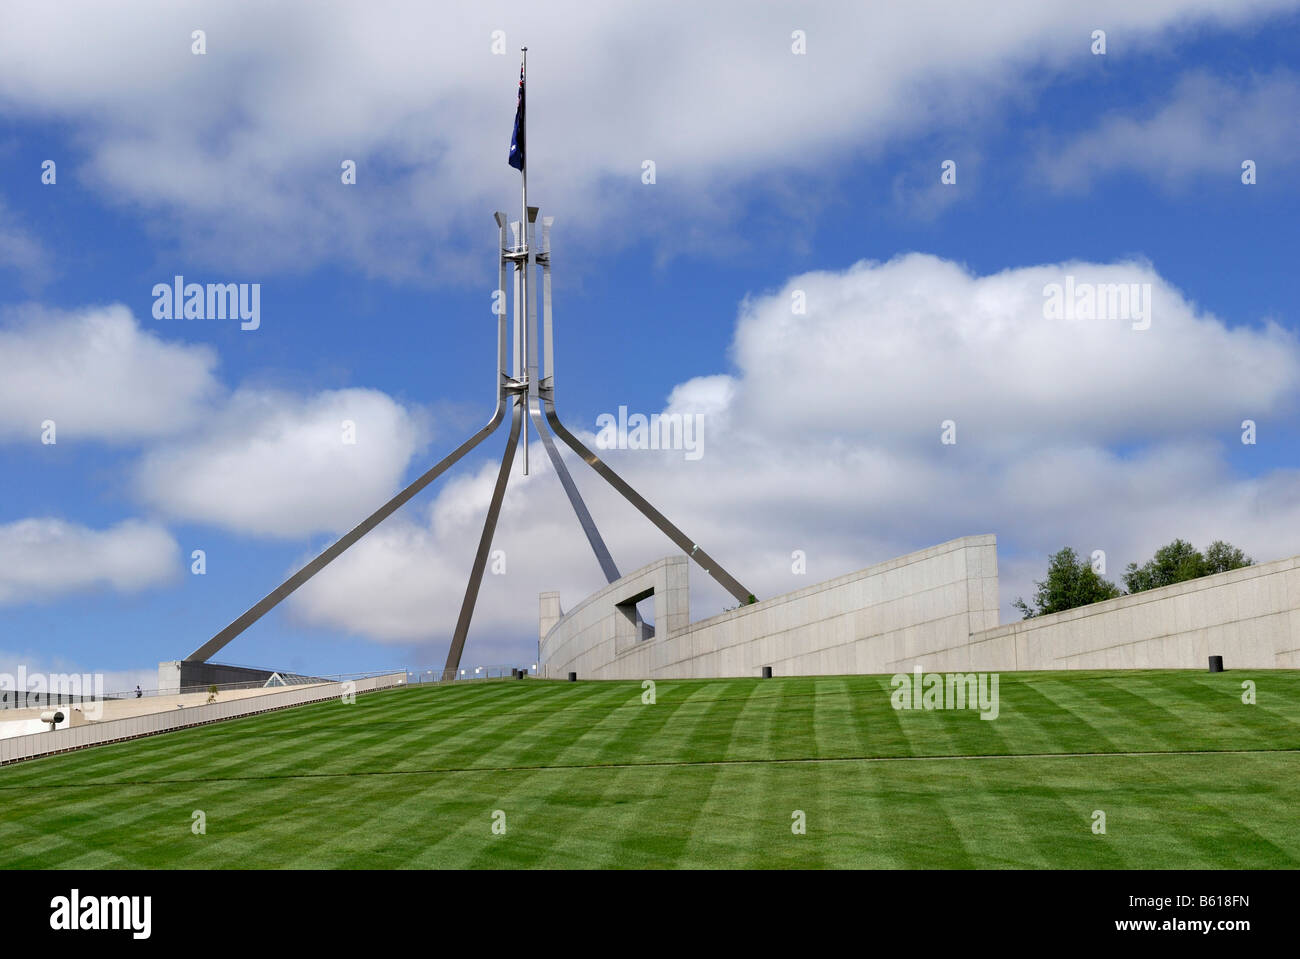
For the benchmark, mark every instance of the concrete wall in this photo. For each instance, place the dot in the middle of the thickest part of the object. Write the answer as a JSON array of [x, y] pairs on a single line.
[[94, 734], [26, 727], [919, 608], [937, 609], [1250, 617]]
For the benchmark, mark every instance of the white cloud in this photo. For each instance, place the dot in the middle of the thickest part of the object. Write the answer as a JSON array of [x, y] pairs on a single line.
[[1207, 127], [258, 461], [896, 348], [45, 558], [827, 439], [238, 151], [98, 375], [274, 464]]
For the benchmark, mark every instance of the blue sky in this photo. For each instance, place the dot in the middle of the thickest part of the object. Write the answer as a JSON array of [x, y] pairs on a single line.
[[666, 297]]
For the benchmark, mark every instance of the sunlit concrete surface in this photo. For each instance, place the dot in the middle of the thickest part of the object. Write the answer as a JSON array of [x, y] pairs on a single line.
[[918, 608], [1249, 616], [19, 748], [123, 708], [937, 609]]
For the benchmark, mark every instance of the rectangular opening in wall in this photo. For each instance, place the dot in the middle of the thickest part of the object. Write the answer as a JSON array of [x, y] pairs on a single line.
[[646, 612]]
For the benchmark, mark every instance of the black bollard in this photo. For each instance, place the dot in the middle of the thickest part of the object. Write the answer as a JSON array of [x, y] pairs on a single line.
[[767, 672], [1216, 664]]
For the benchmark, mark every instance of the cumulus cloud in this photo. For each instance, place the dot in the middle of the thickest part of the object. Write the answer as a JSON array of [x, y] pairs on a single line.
[[259, 461], [1207, 126], [270, 463], [98, 375], [45, 558], [239, 151], [919, 340], [826, 439]]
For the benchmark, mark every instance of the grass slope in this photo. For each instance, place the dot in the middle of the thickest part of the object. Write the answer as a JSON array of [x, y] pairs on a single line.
[[708, 776]]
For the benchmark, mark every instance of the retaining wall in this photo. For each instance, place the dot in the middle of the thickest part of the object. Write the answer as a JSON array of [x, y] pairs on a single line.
[[1250, 617], [937, 609], [921, 607], [18, 748]]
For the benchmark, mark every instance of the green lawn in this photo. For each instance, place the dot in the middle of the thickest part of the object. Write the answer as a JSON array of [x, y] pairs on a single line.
[[709, 776]]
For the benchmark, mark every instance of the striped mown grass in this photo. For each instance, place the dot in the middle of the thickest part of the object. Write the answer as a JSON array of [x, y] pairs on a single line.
[[710, 775]]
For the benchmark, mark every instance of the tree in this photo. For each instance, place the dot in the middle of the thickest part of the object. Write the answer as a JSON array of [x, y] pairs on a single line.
[[1173, 563], [1070, 582], [1221, 557], [1180, 561]]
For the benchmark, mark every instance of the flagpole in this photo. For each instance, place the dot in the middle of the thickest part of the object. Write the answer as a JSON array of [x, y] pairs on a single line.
[[523, 167], [523, 231]]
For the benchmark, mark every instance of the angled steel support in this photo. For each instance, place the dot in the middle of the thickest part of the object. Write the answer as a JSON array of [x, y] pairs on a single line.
[[545, 389], [684, 542], [598, 547], [281, 592], [484, 545]]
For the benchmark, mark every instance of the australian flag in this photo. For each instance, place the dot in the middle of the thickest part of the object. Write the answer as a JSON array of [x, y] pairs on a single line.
[[517, 140]]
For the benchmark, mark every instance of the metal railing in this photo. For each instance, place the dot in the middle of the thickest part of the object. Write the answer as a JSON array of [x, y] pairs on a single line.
[[436, 674], [29, 699], [287, 679]]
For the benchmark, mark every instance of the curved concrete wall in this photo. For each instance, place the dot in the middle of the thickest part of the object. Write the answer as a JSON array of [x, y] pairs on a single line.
[[919, 608]]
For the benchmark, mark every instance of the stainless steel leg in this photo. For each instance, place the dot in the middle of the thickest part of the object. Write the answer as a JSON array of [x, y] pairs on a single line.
[[273, 598], [575, 498], [707, 563], [484, 545]]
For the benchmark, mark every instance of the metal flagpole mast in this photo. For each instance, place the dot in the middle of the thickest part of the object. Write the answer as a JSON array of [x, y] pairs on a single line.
[[522, 264]]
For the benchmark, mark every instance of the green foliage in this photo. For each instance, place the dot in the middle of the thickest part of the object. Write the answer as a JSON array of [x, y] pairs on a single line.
[[1180, 561], [1071, 582], [1221, 557], [749, 602]]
